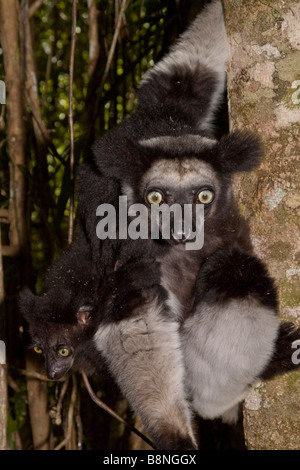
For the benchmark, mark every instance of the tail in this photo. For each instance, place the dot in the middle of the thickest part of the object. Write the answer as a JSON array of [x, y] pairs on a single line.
[[188, 84]]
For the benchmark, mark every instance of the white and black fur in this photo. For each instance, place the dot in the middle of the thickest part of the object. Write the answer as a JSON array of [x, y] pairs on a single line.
[[164, 354], [161, 344], [229, 337], [119, 162], [65, 315]]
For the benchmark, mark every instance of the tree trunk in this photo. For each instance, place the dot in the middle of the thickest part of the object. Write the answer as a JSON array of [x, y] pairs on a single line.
[[45, 200], [16, 141], [38, 405], [264, 91], [3, 376], [18, 233], [3, 407], [15, 131]]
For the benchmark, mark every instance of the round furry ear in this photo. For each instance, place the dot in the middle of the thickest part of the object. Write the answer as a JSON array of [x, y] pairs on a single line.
[[27, 303], [84, 314], [240, 151]]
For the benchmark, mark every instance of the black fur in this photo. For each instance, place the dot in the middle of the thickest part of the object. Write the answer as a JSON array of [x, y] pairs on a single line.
[[233, 274], [240, 151], [93, 190], [172, 104], [129, 287], [282, 358], [123, 275], [75, 302], [62, 315], [178, 95], [171, 440], [70, 283], [119, 154]]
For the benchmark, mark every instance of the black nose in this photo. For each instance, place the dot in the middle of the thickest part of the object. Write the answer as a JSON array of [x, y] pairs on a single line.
[[54, 374], [181, 236]]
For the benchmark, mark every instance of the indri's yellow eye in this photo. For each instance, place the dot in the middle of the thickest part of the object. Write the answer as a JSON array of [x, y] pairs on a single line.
[[154, 197], [205, 196], [38, 350], [64, 352]]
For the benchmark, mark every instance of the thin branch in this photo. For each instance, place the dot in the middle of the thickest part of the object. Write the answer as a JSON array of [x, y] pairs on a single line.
[[71, 413], [13, 384], [11, 251], [46, 201], [67, 440], [48, 70], [17, 440], [36, 375], [58, 419], [94, 47], [114, 43], [33, 7], [61, 444], [112, 413], [2, 114], [71, 126], [45, 132], [4, 215], [78, 423], [111, 53]]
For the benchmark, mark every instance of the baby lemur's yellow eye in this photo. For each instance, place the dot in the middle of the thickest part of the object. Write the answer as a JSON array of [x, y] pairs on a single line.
[[64, 352], [205, 196], [154, 197], [38, 350]]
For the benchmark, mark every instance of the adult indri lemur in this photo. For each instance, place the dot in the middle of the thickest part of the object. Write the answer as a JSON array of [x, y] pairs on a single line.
[[195, 341], [215, 331]]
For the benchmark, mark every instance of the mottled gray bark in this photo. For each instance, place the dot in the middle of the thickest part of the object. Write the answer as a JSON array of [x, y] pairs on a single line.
[[264, 96]]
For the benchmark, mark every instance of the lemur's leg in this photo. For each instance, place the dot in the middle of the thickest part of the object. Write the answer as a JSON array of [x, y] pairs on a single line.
[[230, 337]]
